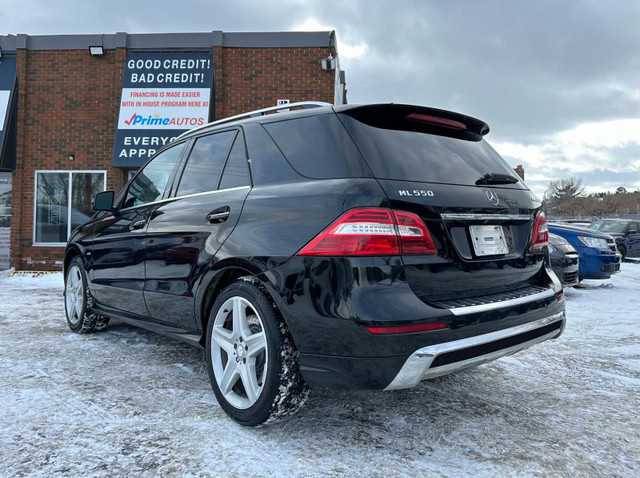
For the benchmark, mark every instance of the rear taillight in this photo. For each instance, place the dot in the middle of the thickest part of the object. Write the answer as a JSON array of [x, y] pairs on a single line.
[[372, 232], [540, 236]]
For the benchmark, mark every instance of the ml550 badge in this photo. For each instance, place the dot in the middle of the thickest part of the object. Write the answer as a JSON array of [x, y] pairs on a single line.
[[415, 192]]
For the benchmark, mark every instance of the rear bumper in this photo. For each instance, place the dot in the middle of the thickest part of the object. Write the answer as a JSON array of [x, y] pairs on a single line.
[[329, 305], [423, 363], [436, 360]]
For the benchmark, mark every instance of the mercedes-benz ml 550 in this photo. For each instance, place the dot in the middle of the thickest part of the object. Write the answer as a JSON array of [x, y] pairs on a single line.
[[354, 247]]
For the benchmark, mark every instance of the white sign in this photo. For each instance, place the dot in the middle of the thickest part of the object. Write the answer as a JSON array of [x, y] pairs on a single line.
[[4, 105], [282, 102], [163, 108]]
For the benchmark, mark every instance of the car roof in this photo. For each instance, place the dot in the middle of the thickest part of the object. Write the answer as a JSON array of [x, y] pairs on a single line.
[[615, 220], [475, 126]]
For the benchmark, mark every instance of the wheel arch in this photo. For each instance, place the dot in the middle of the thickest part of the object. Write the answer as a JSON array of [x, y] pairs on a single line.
[[216, 281], [71, 253]]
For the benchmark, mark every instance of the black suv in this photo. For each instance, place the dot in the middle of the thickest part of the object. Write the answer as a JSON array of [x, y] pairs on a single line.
[[355, 247]]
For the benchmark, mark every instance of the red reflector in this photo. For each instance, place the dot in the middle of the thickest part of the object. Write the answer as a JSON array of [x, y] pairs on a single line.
[[560, 297], [540, 235], [447, 123], [406, 329]]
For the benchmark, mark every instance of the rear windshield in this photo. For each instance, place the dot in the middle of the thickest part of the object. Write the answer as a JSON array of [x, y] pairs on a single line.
[[418, 156]]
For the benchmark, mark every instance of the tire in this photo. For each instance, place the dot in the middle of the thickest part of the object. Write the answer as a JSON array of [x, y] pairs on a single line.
[[251, 360], [622, 250], [77, 301]]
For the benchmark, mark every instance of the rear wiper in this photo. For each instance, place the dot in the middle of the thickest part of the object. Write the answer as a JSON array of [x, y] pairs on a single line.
[[497, 178]]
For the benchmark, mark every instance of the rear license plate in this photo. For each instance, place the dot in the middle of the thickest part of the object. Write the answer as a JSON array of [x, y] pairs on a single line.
[[488, 240]]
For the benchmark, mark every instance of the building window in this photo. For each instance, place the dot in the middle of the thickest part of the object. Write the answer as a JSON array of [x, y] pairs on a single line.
[[63, 202]]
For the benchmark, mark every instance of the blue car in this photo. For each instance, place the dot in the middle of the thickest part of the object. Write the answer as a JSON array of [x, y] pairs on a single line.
[[626, 233], [599, 258]]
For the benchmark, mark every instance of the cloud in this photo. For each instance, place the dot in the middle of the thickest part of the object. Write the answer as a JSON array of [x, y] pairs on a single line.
[[345, 50], [528, 69], [582, 147], [605, 155]]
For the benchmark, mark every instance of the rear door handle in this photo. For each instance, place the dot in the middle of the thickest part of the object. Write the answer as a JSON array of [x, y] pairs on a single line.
[[219, 215]]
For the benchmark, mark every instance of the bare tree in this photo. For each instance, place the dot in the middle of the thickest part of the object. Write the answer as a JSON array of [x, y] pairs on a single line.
[[560, 197]]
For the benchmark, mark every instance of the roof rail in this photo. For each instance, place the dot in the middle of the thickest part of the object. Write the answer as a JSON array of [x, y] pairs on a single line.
[[251, 114]]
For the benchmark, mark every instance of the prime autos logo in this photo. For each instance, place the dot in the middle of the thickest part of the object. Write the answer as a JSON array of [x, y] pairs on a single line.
[[157, 120]]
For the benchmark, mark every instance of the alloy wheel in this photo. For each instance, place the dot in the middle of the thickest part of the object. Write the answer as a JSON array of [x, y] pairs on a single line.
[[74, 295], [239, 352]]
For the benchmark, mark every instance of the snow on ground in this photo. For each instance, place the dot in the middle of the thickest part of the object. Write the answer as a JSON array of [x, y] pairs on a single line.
[[127, 402]]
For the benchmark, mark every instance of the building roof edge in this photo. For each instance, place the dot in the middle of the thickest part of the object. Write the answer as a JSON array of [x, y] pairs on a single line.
[[164, 41]]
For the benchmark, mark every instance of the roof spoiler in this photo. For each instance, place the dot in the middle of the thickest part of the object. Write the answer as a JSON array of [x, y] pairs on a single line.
[[418, 118]]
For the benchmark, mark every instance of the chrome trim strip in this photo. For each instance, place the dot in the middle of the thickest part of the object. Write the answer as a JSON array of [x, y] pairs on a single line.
[[175, 198], [474, 309], [486, 217], [416, 367]]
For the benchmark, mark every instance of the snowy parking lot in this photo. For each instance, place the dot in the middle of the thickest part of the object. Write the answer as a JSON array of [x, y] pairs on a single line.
[[127, 402]]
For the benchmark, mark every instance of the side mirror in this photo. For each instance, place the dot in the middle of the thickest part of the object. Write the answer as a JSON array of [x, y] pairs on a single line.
[[103, 201]]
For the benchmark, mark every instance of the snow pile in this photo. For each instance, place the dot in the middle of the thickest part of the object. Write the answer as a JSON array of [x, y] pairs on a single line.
[[19, 280], [127, 402]]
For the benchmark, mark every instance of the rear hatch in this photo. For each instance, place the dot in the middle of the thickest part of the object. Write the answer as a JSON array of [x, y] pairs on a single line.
[[481, 216]]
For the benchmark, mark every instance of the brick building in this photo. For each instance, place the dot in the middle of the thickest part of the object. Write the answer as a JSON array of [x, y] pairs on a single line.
[[80, 113]]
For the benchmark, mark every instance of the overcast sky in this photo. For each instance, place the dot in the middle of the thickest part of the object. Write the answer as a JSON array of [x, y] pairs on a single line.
[[558, 81]]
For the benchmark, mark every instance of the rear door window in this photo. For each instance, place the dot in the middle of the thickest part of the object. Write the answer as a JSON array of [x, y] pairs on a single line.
[[318, 147], [425, 157], [205, 163]]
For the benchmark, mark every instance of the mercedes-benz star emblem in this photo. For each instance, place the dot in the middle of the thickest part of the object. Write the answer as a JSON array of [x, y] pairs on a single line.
[[493, 197]]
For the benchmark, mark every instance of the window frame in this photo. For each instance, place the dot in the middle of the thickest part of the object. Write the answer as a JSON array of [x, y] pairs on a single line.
[[239, 137], [171, 196], [185, 160], [70, 195]]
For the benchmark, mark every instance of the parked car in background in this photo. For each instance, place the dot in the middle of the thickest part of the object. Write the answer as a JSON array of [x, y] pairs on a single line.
[[576, 222], [360, 247], [626, 233], [598, 257], [564, 260]]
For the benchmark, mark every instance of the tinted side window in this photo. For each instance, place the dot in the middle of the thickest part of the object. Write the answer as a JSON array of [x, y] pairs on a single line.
[[150, 183], [205, 163], [267, 166], [236, 171], [633, 228], [318, 147]]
